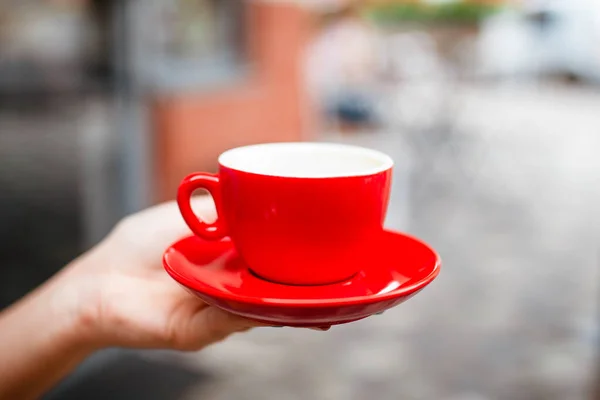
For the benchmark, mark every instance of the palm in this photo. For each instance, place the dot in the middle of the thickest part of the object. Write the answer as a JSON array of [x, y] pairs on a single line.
[[140, 304]]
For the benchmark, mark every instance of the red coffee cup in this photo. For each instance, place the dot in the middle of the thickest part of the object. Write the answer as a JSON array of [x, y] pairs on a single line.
[[298, 213]]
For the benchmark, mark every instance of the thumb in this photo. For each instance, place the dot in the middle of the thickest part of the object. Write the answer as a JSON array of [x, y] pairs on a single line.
[[210, 324]]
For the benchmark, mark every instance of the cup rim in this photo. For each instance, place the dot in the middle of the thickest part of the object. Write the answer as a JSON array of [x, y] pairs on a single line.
[[226, 159]]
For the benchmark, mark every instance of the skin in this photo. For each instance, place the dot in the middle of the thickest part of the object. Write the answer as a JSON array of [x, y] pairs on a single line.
[[115, 295]]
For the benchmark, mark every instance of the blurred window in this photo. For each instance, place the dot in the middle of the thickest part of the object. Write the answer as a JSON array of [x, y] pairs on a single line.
[[187, 43]]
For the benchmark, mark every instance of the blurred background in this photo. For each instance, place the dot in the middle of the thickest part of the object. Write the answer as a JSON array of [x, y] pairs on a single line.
[[491, 110]]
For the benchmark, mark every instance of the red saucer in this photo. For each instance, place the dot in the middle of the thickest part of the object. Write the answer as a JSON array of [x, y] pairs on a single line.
[[401, 266]]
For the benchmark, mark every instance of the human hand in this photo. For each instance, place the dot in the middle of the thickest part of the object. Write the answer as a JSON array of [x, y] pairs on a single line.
[[126, 299], [115, 295]]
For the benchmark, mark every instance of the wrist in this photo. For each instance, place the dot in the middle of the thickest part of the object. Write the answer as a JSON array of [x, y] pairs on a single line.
[[48, 323], [70, 303]]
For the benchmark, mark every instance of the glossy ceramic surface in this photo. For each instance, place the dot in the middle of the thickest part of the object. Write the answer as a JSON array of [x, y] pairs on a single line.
[[296, 230], [399, 267]]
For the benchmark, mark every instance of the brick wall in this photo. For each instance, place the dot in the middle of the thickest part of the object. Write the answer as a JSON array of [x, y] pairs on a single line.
[[192, 129]]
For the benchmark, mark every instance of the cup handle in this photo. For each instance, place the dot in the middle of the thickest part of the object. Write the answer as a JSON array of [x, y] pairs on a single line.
[[209, 182]]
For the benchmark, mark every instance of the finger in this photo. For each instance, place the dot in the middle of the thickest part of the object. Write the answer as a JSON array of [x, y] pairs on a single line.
[[321, 328], [210, 324], [168, 213], [152, 230]]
